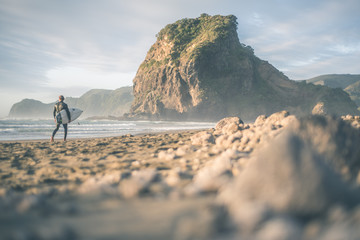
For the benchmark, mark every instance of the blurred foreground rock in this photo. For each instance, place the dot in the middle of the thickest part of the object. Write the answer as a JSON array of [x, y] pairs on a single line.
[[301, 176], [286, 178]]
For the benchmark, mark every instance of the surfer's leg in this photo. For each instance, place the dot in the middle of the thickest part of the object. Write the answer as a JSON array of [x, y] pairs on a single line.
[[54, 132], [65, 131], [56, 129]]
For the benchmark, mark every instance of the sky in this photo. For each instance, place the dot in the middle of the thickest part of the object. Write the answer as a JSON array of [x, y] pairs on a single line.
[[53, 47]]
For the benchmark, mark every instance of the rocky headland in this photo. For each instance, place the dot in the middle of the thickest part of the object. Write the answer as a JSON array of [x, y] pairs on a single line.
[[279, 177], [198, 69]]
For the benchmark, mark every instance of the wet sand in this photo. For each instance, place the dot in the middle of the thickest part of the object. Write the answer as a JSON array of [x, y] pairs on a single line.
[[84, 187], [32, 166]]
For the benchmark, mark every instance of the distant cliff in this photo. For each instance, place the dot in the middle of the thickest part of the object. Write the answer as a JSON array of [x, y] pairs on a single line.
[[30, 108], [198, 69], [96, 102], [350, 83]]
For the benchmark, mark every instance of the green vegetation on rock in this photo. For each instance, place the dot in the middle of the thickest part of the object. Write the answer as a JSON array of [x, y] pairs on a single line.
[[193, 32]]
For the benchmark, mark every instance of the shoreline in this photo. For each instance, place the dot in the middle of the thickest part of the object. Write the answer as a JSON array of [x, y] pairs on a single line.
[[39, 131], [59, 139]]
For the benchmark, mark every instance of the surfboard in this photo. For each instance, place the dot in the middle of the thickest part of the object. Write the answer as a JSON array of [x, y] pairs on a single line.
[[63, 118]]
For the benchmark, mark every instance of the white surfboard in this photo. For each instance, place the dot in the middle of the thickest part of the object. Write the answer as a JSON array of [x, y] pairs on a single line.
[[74, 114]]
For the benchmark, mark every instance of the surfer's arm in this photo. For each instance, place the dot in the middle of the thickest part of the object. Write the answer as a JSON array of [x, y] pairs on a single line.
[[54, 112]]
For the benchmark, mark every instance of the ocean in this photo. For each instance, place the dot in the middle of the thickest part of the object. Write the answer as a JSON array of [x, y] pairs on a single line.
[[25, 129]]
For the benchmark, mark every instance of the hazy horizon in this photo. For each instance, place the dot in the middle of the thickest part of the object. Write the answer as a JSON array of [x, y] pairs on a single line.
[[69, 47]]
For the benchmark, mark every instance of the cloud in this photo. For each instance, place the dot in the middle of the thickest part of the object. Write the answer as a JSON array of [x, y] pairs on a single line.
[[78, 77], [256, 20], [307, 36], [79, 42], [345, 48]]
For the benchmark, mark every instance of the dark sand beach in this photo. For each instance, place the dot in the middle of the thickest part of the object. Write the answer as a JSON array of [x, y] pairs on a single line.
[[277, 178]]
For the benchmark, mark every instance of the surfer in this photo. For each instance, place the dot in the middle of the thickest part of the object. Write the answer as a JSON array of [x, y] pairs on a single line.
[[57, 108]]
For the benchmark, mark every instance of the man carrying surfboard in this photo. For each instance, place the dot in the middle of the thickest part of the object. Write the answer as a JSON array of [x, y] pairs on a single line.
[[57, 108]]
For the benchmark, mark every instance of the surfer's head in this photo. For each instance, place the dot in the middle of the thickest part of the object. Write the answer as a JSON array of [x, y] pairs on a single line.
[[61, 98]]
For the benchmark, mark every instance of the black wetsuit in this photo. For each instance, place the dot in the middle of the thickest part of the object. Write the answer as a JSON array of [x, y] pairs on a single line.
[[57, 108]]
